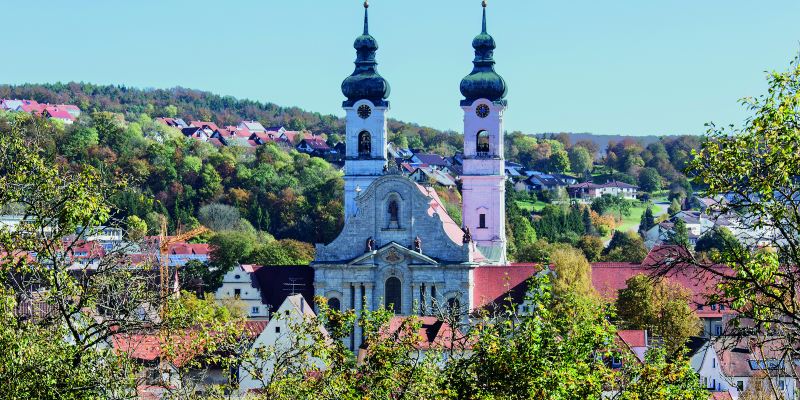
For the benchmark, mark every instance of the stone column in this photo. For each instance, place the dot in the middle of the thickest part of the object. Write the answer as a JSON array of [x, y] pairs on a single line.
[[431, 298], [357, 307], [416, 309], [319, 290], [370, 289]]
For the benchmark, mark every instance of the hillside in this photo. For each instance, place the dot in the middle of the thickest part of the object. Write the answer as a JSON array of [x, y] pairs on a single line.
[[191, 104]]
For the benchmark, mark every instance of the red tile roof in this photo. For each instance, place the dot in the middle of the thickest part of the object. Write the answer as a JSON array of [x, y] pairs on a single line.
[[31, 106], [60, 113], [204, 124], [494, 283], [189, 249], [633, 338], [609, 278], [317, 144], [721, 396], [253, 327], [433, 333]]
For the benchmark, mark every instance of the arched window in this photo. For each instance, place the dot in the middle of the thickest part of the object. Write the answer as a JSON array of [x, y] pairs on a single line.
[[364, 144], [334, 304], [482, 143], [394, 210], [392, 295]]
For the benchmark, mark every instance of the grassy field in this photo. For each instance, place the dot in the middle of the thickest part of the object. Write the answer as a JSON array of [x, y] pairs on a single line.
[[531, 206], [631, 222]]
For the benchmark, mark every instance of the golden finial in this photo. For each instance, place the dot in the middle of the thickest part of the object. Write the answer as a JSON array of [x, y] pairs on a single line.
[[484, 3], [366, 3]]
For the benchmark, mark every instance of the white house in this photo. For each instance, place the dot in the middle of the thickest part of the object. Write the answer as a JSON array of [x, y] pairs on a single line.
[[731, 365], [280, 340], [252, 126], [240, 283], [589, 190]]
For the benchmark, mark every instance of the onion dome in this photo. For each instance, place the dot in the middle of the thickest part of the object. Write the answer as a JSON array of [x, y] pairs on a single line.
[[365, 83], [483, 82]]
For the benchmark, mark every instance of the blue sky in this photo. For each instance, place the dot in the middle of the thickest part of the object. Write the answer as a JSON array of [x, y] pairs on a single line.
[[610, 67]]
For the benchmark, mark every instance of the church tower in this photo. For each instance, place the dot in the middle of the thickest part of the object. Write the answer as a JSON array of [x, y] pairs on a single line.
[[366, 107], [483, 178]]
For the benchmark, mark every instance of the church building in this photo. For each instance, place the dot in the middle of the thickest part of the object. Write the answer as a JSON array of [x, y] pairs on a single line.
[[399, 248]]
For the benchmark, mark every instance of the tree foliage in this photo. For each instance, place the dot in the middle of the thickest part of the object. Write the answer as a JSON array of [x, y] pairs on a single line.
[[661, 307], [625, 247]]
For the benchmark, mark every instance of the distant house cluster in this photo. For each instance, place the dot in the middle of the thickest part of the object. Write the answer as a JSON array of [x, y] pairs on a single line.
[[66, 113], [251, 134], [704, 221], [425, 167], [89, 245], [589, 190]]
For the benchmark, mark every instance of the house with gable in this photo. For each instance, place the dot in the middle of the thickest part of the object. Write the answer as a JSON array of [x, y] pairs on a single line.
[[315, 146], [59, 114], [264, 288], [278, 338], [732, 365], [252, 126], [590, 190]]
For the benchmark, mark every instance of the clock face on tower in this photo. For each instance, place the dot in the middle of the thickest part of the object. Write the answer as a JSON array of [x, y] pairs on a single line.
[[364, 111], [482, 111]]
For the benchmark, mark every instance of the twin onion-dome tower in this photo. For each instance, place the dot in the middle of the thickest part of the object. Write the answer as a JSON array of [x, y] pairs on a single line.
[[483, 178]]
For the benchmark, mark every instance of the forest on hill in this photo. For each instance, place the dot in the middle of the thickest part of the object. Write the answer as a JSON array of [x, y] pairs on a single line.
[[278, 194]]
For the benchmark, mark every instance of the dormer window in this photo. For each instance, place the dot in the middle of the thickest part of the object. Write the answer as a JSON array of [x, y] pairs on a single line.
[[364, 144], [482, 144]]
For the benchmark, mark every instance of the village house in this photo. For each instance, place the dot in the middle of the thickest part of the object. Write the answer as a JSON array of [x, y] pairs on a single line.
[[173, 122], [264, 288], [252, 126], [314, 146], [590, 190], [279, 337], [733, 364]]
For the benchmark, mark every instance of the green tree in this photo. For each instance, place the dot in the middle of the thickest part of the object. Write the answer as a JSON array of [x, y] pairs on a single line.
[[591, 246], [572, 272], [661, 307], [559, 161], [608, 203], [625, 247], [647, 221], [580, 160], [679, 235], [658, 379], [199, 277], [229, 248], [171, 111], [79, 141], [547, 354], [674, 207], [718, 239], [649, 180], [212, 183], [136, 228]]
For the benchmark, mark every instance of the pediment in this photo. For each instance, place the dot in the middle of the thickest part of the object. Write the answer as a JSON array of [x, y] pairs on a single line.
[[393, 253]]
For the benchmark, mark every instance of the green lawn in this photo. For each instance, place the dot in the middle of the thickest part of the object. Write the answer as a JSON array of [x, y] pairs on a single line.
[[631, 222], [531, 206]]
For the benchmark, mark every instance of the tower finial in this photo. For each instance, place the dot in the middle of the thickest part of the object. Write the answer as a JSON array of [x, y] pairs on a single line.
[[366, 17], [484, 16]]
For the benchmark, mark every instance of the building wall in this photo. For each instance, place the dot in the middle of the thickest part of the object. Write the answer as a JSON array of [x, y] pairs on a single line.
[[360, 172], [249, 295], [483, 178]]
